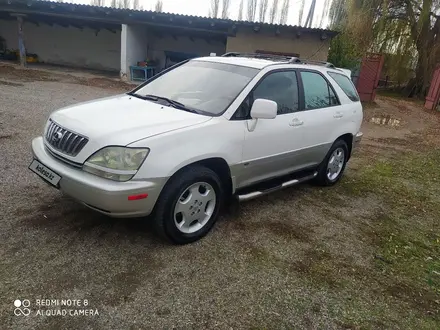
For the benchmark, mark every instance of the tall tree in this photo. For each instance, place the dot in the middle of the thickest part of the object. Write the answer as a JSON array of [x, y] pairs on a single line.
[[158, 6], [273, 11], [301, 12], [215, 7], [96, 3], [240, 11], [114, 4], [225, 8], [124, 4], [251, 10], [408, 30], [136, 4], [263, 10], [284, 12], [324, 13]]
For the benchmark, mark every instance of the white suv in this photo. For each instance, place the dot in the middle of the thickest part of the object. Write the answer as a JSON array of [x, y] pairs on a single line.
[[184, 142]]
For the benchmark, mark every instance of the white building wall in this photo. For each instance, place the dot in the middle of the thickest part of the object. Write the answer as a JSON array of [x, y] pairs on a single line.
[[159, 44], [133, 47], [139, 44], [67, 46]]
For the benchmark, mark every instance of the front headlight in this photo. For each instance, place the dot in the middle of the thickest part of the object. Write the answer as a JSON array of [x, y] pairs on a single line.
[[116, 163]]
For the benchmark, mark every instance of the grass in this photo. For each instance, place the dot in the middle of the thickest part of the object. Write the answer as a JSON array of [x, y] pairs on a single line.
[[395, 283], [394, 212], [406, 233]]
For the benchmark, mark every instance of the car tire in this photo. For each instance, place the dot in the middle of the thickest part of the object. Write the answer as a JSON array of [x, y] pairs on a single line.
[[332, 167], [189, 205]]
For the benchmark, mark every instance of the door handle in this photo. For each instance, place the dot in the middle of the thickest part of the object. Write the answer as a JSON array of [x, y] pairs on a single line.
[[296, 122], [338, 115]]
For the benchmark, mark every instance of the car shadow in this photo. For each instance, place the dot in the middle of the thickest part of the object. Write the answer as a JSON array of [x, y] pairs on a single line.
[[65, 216]]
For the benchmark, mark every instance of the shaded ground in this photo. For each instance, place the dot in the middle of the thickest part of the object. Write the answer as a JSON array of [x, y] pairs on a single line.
[[361, 255], [10, 72]]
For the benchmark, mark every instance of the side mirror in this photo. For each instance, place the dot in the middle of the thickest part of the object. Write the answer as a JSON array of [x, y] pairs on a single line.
[[264, 109]]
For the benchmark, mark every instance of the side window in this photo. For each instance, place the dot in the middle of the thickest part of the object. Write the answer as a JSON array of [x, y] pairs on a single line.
[[346, 85], [317, 92], [281, 87]]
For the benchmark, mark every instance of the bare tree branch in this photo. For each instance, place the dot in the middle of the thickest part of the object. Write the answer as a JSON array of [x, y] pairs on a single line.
[[124, 4], [264, 4], [301, 12], [324, 12], [273, 11], [215, 7], [225, 8], [158, 6], [251, 10], [240, 11], [284, 12], [97, 3]]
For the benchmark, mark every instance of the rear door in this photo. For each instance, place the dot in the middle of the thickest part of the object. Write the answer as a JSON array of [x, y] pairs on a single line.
[[321, 116], [352, 107]]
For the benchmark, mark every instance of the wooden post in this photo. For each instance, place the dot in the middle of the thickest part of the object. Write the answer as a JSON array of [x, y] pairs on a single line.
[[21, 46]]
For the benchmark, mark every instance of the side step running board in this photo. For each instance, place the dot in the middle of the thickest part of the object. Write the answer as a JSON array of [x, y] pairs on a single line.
[[258, 193]]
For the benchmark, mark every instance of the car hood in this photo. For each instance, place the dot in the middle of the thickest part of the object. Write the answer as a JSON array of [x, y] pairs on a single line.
[[122, 119]]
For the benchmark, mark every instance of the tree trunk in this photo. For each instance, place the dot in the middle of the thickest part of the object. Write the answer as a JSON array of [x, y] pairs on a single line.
[[426, 64]]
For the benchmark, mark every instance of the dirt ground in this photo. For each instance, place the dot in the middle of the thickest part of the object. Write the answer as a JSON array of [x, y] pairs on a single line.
[[364, 254]]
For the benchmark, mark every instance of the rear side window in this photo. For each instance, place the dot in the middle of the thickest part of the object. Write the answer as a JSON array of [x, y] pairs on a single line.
[[346, 85], [317, 91]]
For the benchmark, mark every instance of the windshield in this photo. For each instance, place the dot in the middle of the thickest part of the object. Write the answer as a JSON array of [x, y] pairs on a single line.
[[205, 86]]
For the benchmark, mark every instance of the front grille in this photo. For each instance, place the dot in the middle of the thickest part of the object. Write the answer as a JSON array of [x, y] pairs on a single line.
[[64, 140], [63, 159]]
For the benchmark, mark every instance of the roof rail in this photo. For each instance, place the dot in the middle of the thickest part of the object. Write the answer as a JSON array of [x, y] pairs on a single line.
[[303, 61], [289, 59], [258, 55], [230, 54]]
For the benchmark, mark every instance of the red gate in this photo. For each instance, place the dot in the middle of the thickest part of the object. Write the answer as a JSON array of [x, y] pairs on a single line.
[[433, 97], [369, 76]]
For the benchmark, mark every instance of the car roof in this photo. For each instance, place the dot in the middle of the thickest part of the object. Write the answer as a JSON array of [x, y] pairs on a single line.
[[256, 63], [260, 63]]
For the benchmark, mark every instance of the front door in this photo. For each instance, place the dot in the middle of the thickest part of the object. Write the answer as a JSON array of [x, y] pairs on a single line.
[[270, 144]]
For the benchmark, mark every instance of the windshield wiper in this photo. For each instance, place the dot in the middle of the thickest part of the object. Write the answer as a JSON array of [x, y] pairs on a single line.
[[139, 96], [155, 98], [175, 104]]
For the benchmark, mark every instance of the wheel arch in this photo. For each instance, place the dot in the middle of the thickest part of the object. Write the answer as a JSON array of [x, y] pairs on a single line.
[[348, 139], [218, 165]]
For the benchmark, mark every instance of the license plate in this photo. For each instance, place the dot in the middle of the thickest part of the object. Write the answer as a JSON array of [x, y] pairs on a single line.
[[45, 172]]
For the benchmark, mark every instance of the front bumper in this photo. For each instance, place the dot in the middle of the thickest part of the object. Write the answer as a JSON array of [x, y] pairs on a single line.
[[105, 196]]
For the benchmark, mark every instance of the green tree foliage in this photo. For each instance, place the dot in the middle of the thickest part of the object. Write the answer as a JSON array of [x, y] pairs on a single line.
[[344, 52], [407, 31]]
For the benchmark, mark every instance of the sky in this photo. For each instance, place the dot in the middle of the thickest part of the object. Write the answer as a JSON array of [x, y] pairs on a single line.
[[201, 8]]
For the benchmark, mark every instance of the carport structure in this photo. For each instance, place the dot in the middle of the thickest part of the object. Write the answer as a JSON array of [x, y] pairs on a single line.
[[106, 38], [63, 40], [114, 39]]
